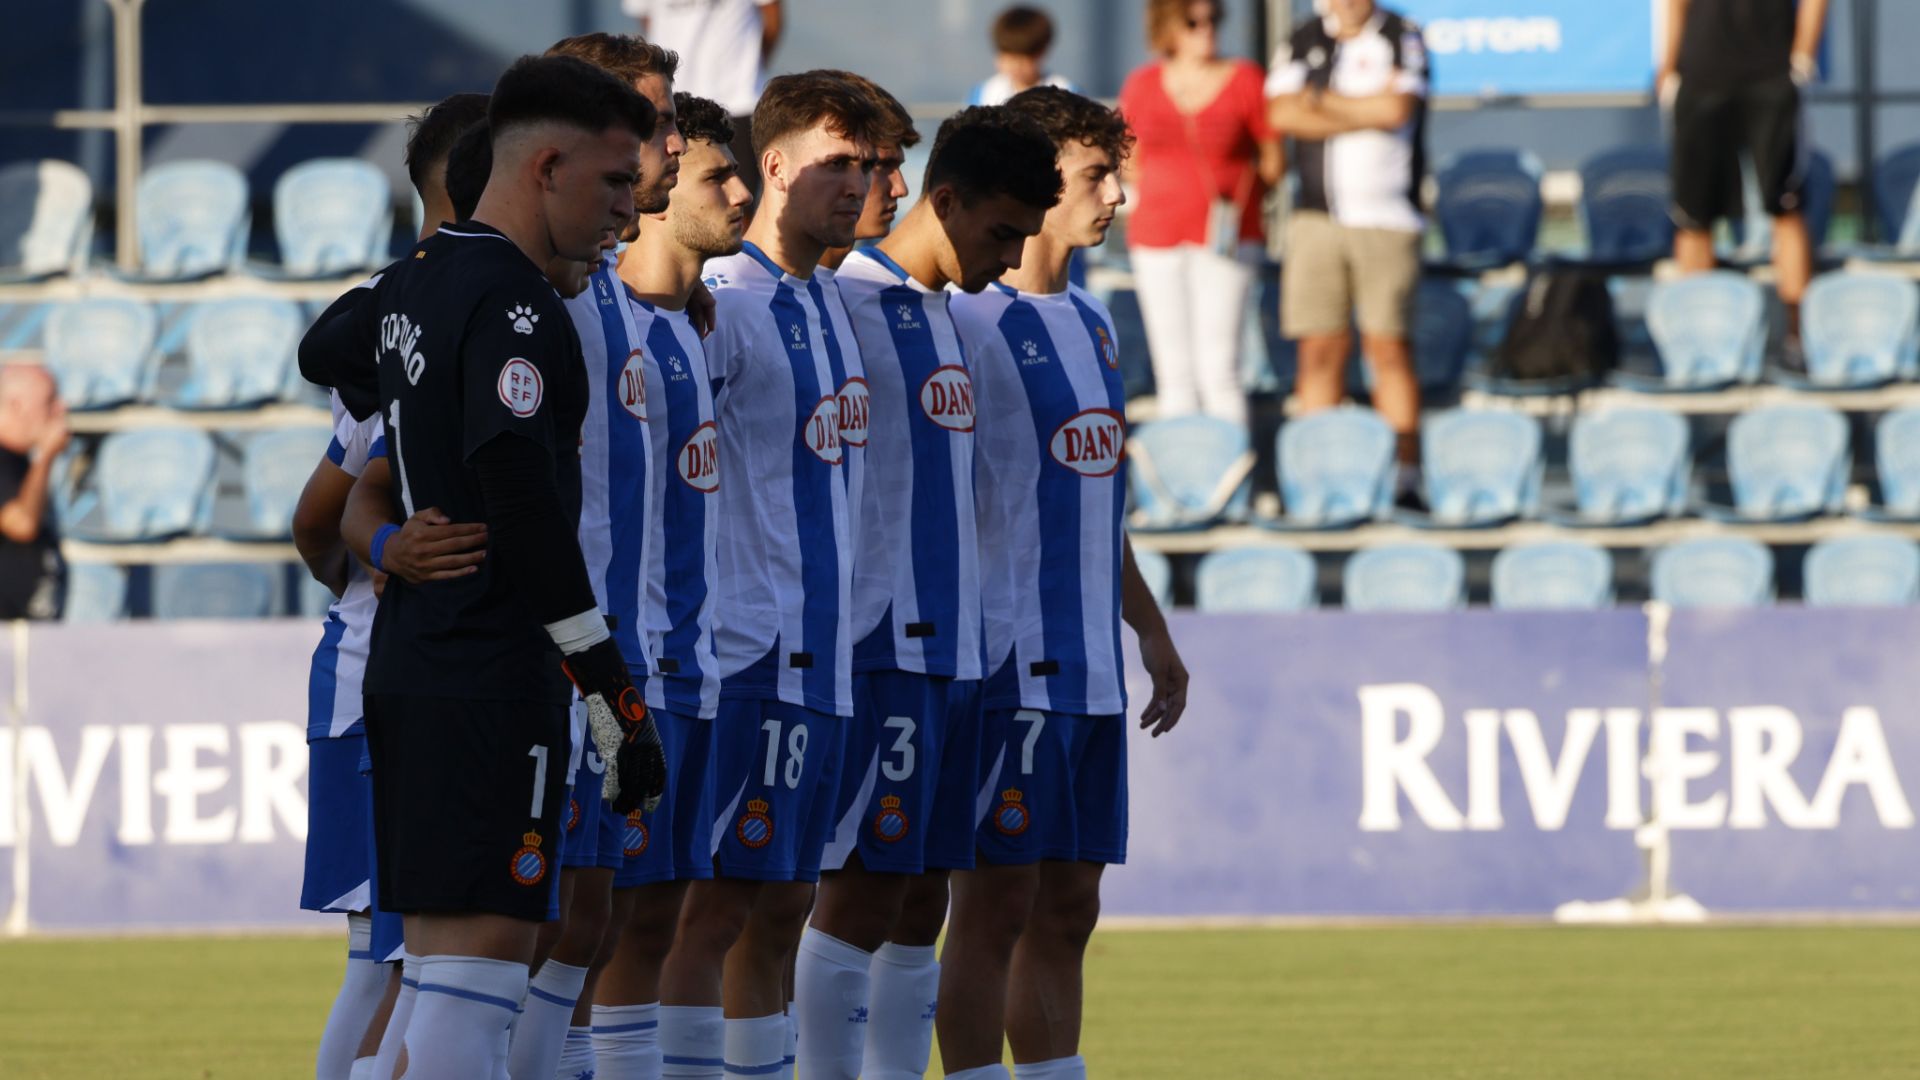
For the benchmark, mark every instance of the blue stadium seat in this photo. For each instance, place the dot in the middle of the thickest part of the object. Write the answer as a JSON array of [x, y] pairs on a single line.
[[1625, 201], [194, 220], [1157, 572], [1336, 469], [1405, 577], [214, 590], [1188, 472], [1714, 572], [1863, 571], [239, 352], [1553, 576], [46, 220], [147, 484], [1481, 468], [1629, 466], [1896, 451], [1255, 579], [1860, 329], [1896, 182], [1442, 335], [1488, 206], [332, 216], [1709, 329], [101, 351], [1787, 463], [272, 475], [96, 592]]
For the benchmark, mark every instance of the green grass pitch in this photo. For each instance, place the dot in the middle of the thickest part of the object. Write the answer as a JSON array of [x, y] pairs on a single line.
[[1525, 1002]]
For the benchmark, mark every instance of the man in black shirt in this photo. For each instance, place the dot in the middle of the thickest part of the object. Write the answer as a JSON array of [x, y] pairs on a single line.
[[1734, 70], [477, 373], [33, 432]]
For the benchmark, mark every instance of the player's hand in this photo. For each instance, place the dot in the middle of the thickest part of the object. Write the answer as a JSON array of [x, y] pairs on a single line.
[[431, 547], [1666, 86], [1169, 676], [623, 731], [1805, 69], [702, 311]]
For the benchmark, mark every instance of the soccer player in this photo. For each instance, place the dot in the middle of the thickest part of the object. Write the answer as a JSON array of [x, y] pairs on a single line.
[[466, 703], [1058, 577], [891, 141], [791, 422], [668, 521], [917, 656], [339, 869]]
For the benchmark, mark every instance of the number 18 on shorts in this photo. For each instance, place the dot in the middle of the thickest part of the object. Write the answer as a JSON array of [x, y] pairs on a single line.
[[778, 767]]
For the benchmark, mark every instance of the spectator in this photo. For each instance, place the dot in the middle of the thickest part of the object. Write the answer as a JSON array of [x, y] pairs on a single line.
[[33, 432], [1350, 88], [1021, 37], [1733, 70], [1203, 160], [724, 46]]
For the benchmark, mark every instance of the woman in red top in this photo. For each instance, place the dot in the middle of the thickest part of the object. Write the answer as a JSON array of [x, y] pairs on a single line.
[[1204, 159]]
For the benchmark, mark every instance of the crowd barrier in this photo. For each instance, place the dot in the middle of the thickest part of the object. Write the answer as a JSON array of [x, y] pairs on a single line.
[[1330, 764]]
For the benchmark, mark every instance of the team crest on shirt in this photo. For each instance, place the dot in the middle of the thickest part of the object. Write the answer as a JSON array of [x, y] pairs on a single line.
[[947, 397], [573, 814], [529, 866], [520, 387], [699, 460], [1091, 442], [634, 839], [755, 828], [1012, 818], [890, 824], [633, 386], [1109, 353], [855, 405], [821, 430], [1030, 353]]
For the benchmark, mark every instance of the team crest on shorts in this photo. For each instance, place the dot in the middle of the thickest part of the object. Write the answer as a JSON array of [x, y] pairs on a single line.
[[633, 842], [755, 829], [573, 814], [529, 866], [890, 824], [1012, 818]]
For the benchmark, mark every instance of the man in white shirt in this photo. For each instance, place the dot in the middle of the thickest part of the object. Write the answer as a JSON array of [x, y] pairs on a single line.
[[724, 46]]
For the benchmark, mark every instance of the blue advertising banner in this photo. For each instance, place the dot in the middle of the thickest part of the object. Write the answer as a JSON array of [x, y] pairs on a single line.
[[1488, 48]]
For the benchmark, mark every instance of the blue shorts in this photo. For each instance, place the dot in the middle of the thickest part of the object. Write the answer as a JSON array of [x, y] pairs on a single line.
[[675, 842], [339, 801], [1054, 787], [899, 747], [593, 830], [777, 773]]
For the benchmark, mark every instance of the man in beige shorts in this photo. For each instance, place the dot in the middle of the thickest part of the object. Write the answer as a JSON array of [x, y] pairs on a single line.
[[1349, 88]]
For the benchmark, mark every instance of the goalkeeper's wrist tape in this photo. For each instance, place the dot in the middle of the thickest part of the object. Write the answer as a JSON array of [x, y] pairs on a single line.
[[379, 549], [576, 633]]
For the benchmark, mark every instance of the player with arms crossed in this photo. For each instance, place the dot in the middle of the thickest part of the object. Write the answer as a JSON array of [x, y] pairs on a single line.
[[466, 698], [1058, 577], [780, 369], [910, 766]]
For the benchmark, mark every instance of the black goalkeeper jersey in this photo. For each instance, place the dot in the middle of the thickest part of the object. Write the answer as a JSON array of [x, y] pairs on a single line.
[[467, 341]]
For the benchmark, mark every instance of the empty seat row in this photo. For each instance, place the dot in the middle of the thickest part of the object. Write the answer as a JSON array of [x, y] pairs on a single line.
[[155, 484], [1710, 572], [239, 353], [331, 216], [104, 592]]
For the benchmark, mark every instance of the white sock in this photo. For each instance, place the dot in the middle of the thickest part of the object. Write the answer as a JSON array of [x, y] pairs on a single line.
[[395, 1036], [626, 1042], [362, 1069], [984, 1072], [1066, 1068], [460, 1017], [692, 1042], [542, 1030], [905, 991], [755, 1046], [577, 1059], [359, 996], [830, 985], [793, 1043]]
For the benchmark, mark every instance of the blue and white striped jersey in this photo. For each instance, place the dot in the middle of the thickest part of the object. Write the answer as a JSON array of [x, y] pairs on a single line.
[[616, 452], [790, 403], [340, 661], [1051, 491], [683, 515], [916, 586]]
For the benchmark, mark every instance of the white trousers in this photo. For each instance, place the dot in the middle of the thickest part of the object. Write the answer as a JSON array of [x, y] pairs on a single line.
[[1194, 303]]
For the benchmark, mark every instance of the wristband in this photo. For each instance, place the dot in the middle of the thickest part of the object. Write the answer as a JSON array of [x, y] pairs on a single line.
[[380, 538]]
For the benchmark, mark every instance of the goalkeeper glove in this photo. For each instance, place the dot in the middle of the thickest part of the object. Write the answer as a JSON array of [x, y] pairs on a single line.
[[623, 732]]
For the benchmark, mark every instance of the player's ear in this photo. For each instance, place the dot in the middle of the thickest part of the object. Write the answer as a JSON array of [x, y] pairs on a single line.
[[545, 163], [773, 166], [945, 200]]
